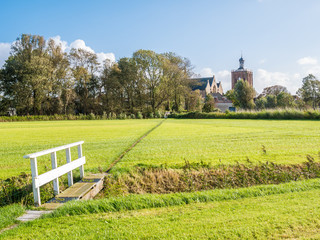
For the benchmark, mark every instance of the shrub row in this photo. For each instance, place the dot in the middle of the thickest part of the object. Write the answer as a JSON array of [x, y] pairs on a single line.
[[196, 177], [91, 116], [284, 114], [135, 202]]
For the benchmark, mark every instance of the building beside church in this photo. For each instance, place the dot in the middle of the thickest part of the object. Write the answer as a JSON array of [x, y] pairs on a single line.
[[241, 73], [206, 85]]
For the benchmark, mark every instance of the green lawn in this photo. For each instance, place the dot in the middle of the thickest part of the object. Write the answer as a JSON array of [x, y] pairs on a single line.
[[226, 140], [104, 141], [288, 215]]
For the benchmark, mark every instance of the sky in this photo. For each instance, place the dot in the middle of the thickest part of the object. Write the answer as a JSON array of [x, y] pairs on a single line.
[[279, 39]]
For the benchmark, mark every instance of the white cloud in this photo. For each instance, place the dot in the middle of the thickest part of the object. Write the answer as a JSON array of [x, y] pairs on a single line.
[[307, 61], [262, 61], [206, 72], [4, 52], [264, 78]]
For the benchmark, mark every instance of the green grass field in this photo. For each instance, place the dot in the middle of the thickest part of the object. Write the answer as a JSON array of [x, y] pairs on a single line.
[[172, 143], [227, 141], [282, 214], [104, 141]]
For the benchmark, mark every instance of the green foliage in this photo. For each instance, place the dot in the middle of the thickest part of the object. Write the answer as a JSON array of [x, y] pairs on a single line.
[[209, 104], [243, 94], [284, 114], [310, 91]]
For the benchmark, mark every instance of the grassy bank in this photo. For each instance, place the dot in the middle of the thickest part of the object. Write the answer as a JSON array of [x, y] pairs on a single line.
[[8, 214], [134, 202], [271, 212]]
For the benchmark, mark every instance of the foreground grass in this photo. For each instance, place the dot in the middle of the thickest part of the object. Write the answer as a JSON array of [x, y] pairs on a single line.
[[8, 214], [226, 141], [134, 202], [104, 141], [287, 215]]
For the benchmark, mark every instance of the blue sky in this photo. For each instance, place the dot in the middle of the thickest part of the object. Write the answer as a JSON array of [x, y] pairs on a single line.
[[279, 39]]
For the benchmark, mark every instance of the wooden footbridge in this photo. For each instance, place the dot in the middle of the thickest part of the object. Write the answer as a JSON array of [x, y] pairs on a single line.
[[86, 188]]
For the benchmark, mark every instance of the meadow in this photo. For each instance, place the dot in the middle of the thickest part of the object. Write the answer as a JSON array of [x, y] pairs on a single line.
[[226, 141], [104, 141], [213, 141], [286, 210]]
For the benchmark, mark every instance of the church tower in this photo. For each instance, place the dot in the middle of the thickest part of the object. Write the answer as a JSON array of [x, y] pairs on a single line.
[[241, 73]]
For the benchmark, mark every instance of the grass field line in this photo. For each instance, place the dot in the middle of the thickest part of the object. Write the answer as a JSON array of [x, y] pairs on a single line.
[[132, 146]]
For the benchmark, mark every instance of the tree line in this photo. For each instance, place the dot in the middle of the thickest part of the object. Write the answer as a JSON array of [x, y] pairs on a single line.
[[245, 97], [39, 78]]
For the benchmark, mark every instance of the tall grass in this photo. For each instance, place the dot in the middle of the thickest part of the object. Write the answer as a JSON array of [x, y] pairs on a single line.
[[284, 114], [134, 202], [9, 213], [201, 176]]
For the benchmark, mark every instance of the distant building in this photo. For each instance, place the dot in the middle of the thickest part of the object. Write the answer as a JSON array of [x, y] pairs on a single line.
[[222, 102], [241, 73], [206, 85]]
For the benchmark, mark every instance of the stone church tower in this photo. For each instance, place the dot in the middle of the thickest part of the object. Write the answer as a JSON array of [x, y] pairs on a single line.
[[241, 73]]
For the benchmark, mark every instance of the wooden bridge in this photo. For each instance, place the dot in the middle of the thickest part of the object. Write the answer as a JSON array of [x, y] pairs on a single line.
[[86, 188]]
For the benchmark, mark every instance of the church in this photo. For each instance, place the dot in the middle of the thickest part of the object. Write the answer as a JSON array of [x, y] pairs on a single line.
[[241, 73], [207, 85]]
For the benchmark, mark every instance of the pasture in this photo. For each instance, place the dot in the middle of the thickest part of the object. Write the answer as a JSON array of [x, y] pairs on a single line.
[[212, 141], [104, 141]]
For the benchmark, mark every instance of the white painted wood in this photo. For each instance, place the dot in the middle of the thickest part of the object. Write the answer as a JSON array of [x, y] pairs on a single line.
[[59, 171], [37, 154], [36, 190], [56, 171], [54, 165], [81, 168], [70, 176]]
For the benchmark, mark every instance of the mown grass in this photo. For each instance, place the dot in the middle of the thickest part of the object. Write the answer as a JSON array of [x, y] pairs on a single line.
[[104, 141], [225, 141], [8, 214], [134, 202], [293, 213]]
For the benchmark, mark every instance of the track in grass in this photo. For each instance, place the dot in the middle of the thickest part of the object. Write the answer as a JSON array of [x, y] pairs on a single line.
[[132, 146]]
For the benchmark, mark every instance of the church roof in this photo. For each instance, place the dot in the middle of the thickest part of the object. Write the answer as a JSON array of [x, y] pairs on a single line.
[[200, 83]]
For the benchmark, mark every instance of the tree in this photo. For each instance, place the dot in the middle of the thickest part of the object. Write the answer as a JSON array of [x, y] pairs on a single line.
[[26, 75], [261, 103], [271, 101], [274, 90], [310, 91], [84, 65], [209, 104], [285, 100], [243, 95]]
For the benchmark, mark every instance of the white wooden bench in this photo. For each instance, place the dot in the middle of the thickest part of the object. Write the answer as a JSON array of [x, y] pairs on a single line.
[[56, 172]]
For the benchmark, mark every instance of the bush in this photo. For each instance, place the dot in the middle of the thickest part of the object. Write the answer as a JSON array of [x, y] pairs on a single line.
[[139, 115]]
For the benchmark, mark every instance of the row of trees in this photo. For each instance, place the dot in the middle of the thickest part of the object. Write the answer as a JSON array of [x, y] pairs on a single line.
[[308, 96], [39, 78]]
